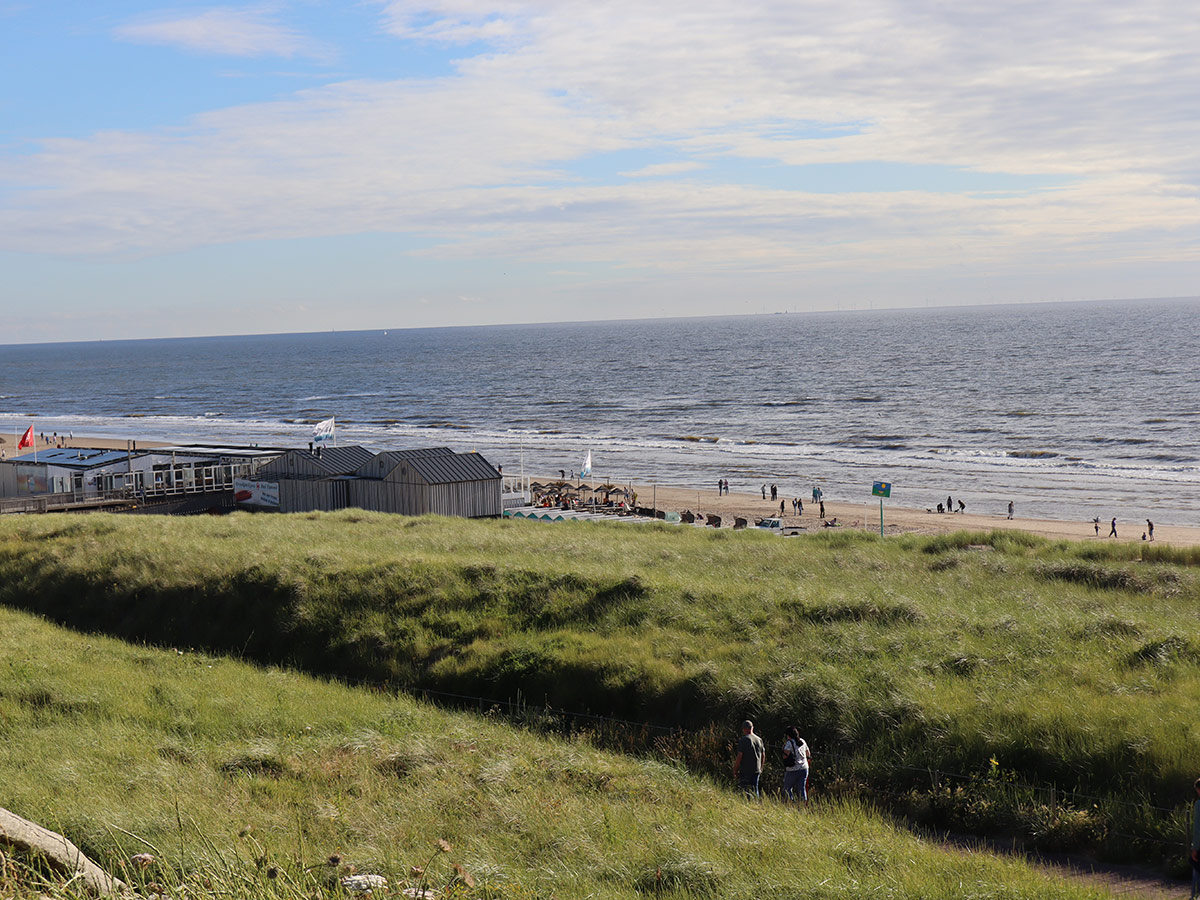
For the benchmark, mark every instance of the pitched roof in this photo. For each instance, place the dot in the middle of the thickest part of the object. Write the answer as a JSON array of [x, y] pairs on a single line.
[[338, 460], [436, 465], [456, 467]]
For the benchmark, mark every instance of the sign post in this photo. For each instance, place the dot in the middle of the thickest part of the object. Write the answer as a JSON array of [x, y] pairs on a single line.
[[881, 489]]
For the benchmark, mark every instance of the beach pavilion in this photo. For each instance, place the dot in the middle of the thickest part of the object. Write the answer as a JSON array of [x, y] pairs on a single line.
[[409, 482]]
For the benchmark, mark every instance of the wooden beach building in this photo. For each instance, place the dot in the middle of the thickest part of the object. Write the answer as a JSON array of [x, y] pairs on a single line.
[[408, 482], [438, 480], [314, 479]]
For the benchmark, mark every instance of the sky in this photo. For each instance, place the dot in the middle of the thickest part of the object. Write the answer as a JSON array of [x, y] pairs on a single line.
[[299, 165]]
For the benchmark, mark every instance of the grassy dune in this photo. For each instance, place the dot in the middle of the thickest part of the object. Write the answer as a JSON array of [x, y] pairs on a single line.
[[1002, 658], [251, 779]]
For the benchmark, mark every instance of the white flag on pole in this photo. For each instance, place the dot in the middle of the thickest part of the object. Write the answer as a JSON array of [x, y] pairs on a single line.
[[323, 430], [587, 466]]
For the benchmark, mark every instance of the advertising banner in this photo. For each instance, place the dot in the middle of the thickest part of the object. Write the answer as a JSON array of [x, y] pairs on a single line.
[[255, 493]]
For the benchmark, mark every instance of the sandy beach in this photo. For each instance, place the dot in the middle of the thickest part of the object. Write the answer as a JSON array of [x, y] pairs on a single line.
[[896, 519]]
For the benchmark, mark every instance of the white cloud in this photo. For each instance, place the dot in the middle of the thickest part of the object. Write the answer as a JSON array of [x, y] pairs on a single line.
[[226, 31], [455, 22], [478, 161]]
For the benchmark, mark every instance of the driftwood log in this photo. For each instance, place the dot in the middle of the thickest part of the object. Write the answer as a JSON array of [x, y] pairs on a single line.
[[29, 837]]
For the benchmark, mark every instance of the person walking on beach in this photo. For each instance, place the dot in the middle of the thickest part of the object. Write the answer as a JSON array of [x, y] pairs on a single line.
[[748, 764], [816, 493], [781, 509], [796, 761], [822, 513], [774, 492], [1150, 529], [764, 490], [1113, 531], [1011, 507]]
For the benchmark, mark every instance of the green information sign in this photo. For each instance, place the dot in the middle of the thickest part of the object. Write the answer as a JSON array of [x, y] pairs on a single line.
[[882, 489]]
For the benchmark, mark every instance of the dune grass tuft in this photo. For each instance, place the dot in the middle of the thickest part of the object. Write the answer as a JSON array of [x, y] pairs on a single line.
[[279, 786], [899, 655]]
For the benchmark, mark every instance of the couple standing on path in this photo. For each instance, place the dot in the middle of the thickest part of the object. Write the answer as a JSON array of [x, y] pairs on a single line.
[[751, 759]]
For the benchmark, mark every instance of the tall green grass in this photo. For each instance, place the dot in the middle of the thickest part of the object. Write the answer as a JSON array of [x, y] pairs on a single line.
[[265, 784], [1066, 665]]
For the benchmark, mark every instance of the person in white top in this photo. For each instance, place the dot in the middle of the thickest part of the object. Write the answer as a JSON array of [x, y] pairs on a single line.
[[797, 759]]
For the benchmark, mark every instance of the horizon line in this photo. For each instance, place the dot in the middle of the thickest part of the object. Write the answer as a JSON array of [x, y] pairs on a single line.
[[788, 312]]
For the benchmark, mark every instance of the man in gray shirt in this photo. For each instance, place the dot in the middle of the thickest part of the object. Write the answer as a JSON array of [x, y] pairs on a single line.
[[748, 766]]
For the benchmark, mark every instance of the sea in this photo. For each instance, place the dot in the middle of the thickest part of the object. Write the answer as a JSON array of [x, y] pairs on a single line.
[[1069, 410]]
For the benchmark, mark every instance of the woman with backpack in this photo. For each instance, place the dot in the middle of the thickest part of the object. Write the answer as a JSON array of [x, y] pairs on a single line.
[[796, 760]]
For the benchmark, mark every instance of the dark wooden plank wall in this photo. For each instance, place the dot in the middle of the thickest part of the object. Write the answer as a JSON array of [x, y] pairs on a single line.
[[303, 495], [470, 499]]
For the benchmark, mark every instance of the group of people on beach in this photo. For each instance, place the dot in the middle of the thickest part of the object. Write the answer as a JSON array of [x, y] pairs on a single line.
[[1147, 535], [773, 490], [948, 507], [751, 760]]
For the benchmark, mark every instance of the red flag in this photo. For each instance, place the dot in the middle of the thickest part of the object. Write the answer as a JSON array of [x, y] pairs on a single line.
[[26, 438]]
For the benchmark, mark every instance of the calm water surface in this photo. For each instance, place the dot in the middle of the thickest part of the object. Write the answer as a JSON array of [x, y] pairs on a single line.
[[1070, 410]]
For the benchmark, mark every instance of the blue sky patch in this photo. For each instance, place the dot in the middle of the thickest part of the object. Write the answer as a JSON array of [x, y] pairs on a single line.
[[621, 166]]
